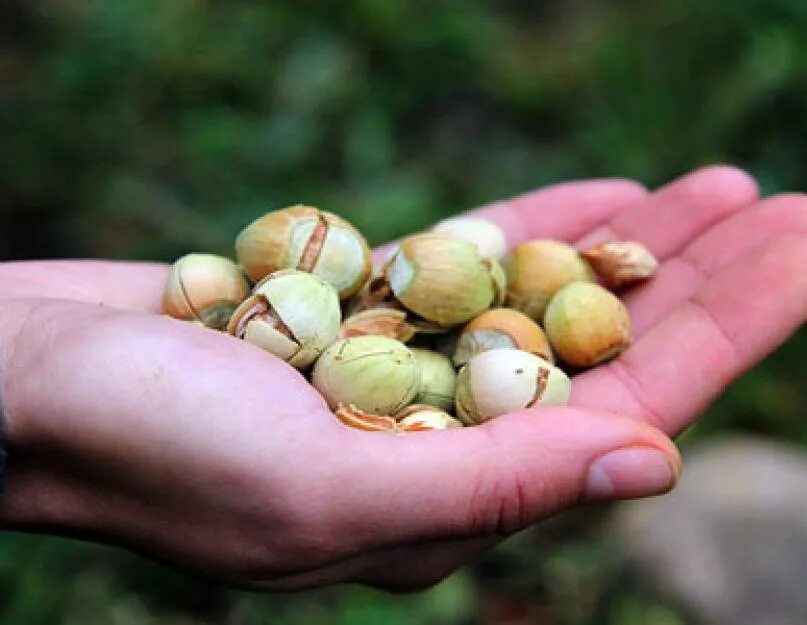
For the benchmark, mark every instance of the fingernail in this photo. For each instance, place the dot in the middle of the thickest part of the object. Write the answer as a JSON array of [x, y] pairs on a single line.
[[630, 472]]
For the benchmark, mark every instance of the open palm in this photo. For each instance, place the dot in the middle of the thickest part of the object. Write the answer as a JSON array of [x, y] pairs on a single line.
[[204, 451]]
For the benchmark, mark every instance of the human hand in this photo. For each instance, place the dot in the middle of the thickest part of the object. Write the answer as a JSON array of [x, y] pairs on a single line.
[[194, 448]]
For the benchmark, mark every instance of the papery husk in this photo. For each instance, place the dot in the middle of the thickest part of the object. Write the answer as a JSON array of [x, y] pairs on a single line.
[[622, 263]]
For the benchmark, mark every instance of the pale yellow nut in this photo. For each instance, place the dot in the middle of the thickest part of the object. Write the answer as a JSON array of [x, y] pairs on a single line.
[[420, 418], [501, 381], [489, 238]]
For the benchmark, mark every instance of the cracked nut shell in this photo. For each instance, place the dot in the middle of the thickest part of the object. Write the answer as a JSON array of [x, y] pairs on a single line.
[[308, 239], [292, 314]]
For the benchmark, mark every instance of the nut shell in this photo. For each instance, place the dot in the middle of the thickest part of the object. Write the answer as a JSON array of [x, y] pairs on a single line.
[[292, 314], [489, 238], [537, 269], [377, 375], [622, 263], [308, 239], [205, 288], [501, 381], [587, 324], [442, 279], [501, 328], [437, 379], [419, 418]]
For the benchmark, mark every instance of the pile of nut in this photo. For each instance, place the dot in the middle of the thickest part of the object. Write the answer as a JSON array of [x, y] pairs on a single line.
[[383, 348]]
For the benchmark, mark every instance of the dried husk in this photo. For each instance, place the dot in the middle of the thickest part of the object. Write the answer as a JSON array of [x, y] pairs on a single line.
[[622, 263]]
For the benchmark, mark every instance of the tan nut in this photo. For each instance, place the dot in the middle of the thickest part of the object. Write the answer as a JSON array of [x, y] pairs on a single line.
[[501, 328], [204, 288], [537, 269], [308, 239], [587, 324]]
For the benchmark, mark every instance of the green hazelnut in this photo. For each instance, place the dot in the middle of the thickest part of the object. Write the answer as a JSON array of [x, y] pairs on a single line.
[[443, 280], [292, 314], [437, 379], [500, 381], [204, 288], [375, 374], [587, 324]]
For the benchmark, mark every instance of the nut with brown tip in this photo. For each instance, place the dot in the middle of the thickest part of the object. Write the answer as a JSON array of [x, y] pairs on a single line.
[[501, 328], [204, 288]]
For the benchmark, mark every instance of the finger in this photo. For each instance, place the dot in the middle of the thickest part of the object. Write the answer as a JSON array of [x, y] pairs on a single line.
[[563, 211], [132, 286], [495, 479], [681, 276], [671, 217], [734, 319]]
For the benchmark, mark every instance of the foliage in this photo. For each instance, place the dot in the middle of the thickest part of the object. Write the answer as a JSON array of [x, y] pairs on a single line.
[[145, 128]]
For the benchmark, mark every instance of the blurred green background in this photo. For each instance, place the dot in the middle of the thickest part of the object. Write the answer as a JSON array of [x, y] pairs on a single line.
[[148, 128]]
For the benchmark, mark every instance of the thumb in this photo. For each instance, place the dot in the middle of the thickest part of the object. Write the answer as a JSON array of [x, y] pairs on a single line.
[[511, 472]]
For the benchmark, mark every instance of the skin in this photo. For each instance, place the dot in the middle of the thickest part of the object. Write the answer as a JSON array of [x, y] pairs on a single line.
[[188, 446]]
